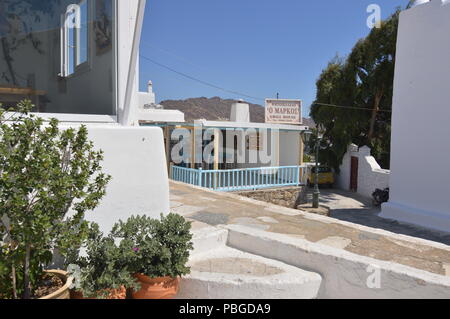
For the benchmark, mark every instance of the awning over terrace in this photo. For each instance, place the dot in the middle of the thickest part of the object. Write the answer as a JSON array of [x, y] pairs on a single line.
[[230, 124]]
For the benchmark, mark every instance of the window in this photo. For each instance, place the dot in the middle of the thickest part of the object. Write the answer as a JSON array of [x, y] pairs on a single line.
[[82, 45], [74, 38], [254, 142], [62, 57]]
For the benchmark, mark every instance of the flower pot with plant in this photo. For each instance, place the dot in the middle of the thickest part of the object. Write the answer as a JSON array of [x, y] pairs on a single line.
[[45, 173], [101, 272], [160, 251], [58, 276]]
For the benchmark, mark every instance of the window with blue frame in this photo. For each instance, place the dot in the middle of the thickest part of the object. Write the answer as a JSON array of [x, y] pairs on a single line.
[[75, 38]]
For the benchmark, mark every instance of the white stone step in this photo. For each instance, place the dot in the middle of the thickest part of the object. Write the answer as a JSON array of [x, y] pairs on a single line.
[[227, 273], [207, 238]]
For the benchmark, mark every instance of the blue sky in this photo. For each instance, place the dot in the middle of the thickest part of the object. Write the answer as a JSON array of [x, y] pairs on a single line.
[[255, 47]]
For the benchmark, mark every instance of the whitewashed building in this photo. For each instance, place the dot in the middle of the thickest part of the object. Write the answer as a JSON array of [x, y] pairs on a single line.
[[77, 60], [420, 164], [233, 155]]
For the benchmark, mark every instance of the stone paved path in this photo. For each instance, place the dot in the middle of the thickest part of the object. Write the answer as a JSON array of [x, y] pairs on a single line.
[[221, 208], [353, 208]]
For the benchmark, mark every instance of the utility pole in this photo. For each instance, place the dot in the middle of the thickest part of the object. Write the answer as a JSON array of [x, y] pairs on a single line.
[[316, 193]]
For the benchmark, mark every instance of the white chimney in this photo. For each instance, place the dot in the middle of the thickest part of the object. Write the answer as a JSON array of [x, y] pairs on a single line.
[[150, 87], [240, 112]]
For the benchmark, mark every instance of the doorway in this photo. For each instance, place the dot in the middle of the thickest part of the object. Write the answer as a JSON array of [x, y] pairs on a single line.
[[354, 174]]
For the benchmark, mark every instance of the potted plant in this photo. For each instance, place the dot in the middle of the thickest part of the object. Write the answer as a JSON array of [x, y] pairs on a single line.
[[160, 251], [49, 178], [101, 272]]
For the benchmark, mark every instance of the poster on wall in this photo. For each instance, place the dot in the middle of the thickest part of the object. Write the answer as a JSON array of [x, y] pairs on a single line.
[[103, 26], [284, 111]]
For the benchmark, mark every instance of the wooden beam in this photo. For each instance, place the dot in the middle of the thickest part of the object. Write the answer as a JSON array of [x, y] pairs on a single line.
[[21, 91], [301, 154], [167, 145], [275, 136], [302, 149], [192, 147], [216, 148]]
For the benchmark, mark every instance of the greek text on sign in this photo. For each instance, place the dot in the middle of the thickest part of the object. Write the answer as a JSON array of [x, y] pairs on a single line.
[[283, 111]]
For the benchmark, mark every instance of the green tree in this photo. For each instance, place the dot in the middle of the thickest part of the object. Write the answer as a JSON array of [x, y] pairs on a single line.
[[45, 173], [363, 84]]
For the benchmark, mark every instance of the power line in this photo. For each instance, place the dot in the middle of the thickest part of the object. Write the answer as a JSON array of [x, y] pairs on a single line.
[[246, 95], [349, 107], [201, 81], [178, 57]]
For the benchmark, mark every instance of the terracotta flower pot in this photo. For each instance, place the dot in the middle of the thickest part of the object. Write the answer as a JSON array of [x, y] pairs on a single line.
[[120, 293], [156, 288], [64, 291]]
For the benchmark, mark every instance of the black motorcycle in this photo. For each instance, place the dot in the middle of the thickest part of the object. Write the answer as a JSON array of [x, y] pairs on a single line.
[[380, 197]]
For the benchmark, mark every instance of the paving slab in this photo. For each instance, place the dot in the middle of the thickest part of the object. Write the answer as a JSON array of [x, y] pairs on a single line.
[[231, 209], [344, 274], [354, 208]]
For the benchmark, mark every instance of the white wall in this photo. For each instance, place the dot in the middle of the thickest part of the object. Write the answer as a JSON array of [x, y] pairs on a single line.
[[343, 178], [282, 149], [268, 153], [130, 20], [290, 148], [420, 158], [134, 156], [136, 159], [370, 175], [139, 113]]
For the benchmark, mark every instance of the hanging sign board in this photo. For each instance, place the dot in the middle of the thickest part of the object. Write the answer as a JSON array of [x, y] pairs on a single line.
[[284, 111]]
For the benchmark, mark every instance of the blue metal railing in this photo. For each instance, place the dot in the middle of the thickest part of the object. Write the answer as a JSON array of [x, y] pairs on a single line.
[[242, 179]]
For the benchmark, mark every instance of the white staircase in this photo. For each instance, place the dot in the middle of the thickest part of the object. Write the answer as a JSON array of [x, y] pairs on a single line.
[[221, 272]]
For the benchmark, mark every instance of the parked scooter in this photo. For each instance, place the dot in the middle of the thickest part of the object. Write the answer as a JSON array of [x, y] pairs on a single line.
[[380, 197]]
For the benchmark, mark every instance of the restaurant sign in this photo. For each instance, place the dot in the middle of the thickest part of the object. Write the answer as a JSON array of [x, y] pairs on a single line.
[[283, 111]]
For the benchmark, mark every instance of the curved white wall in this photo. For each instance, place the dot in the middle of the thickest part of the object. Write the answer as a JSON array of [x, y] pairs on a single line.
[[370, 175], [420, 163], [136, 159]]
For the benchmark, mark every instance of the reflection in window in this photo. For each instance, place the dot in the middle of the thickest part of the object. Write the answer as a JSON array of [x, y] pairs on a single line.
[[74, 38], [59, 54], [70, 44], [83, 34]]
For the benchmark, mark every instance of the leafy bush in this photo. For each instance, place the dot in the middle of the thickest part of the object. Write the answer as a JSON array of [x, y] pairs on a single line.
[[155, 248], [160, 248], [103, 266], [44, 173]]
